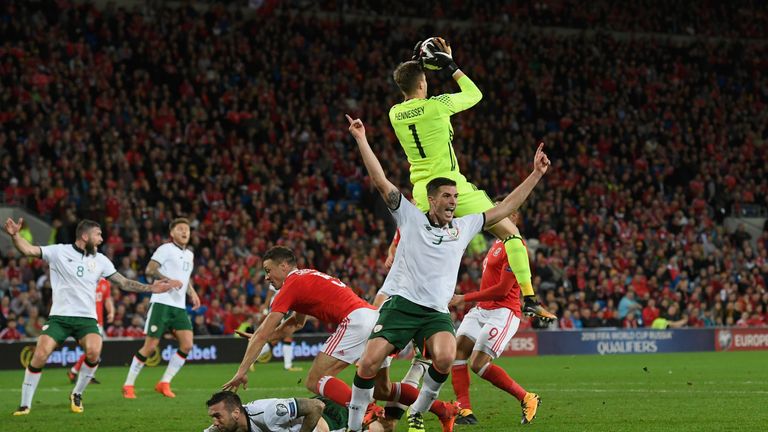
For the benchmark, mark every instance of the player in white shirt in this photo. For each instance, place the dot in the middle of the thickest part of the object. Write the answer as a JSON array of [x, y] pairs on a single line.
[[75, 271], [167, 311], [265, 415], [423, 276]]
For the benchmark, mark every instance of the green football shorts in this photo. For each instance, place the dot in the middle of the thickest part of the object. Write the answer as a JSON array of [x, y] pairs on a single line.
[[162, 317], [401, 320], [61, 327]]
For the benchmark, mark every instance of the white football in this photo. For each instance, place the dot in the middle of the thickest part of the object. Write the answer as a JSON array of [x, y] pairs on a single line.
[[427, 52]]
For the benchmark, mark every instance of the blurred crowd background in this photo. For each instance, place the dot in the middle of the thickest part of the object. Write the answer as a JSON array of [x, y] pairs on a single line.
[[655, 120]]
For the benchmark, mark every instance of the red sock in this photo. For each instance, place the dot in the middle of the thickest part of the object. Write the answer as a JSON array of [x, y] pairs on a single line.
[[460, 381], [335, 390], [498, 377], [409, 393], [79, 363]]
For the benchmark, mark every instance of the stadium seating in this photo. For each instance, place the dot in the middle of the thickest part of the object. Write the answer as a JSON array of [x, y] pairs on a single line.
[[133, 117]]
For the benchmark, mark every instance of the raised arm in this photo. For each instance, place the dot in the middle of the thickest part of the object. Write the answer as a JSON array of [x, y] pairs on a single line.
[[470, 94], [388, 191], [159, 286], [21, 244], [518, 196]]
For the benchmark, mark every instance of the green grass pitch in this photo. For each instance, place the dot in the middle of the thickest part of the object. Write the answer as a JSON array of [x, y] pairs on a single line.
[[655, 392]]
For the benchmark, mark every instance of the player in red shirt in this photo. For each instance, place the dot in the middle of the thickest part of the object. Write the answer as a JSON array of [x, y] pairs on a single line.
[[103, 299], [486, 330], [309, 292]]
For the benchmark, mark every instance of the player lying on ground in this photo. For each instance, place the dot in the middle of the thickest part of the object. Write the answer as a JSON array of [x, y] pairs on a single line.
[[272, 415]]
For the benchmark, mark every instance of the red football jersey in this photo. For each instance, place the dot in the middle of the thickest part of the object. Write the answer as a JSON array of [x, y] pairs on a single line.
[[103, 290], [311, 292], [499, 287]]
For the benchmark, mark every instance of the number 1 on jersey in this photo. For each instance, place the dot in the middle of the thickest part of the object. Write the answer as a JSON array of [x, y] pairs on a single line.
[[418, 142]]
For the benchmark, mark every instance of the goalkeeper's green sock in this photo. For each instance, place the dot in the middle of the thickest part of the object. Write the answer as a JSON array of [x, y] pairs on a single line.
[[517, 256]]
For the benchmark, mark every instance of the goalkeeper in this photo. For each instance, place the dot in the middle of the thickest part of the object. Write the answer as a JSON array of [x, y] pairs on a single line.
[[423, 127]]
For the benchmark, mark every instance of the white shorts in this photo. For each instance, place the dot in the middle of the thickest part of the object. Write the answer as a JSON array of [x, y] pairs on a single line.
[[491, 329], [348, 341]]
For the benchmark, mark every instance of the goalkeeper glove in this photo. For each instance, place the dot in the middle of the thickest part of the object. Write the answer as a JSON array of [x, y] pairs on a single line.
[[416, 51], [442, 60]]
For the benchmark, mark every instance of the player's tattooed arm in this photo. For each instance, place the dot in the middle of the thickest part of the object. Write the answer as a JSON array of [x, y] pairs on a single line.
[[392, 199], [153, 270], [388, 191], [159, 286]]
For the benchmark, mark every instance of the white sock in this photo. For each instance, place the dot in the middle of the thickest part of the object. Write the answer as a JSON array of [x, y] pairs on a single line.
[[360, 399], [176, 362], [288, 355], [84, 377], [133, 371], [31, 379], [414, 374], [264, 350], [428, 393]]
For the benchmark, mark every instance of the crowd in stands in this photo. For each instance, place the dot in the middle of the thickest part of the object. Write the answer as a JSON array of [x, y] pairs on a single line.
[[736, 19], [132, 117]]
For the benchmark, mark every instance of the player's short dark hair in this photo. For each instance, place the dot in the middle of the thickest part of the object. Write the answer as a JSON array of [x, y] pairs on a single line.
[[177, 221], [280, 254], [407, 75], [84, 226], [438, 182], [231, 400]]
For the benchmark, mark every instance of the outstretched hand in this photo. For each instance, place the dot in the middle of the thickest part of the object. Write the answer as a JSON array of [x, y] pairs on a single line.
[[164, 285], [13, 228], [456, 301], [244, 334], [356, 127], [236, 381], [540, 160]]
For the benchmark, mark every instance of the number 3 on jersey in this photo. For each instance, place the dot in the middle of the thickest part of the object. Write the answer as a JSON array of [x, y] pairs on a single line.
[[417, 140]]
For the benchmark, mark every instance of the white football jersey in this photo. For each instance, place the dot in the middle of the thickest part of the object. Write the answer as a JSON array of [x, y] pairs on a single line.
[[175, 263], [428, 257], [74, 277]]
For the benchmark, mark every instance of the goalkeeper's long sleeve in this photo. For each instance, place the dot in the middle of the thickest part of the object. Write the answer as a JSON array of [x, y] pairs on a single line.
[[469, 96]]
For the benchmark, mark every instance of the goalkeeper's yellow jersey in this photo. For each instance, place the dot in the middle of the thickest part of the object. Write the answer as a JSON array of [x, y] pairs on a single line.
[[423, 127]]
